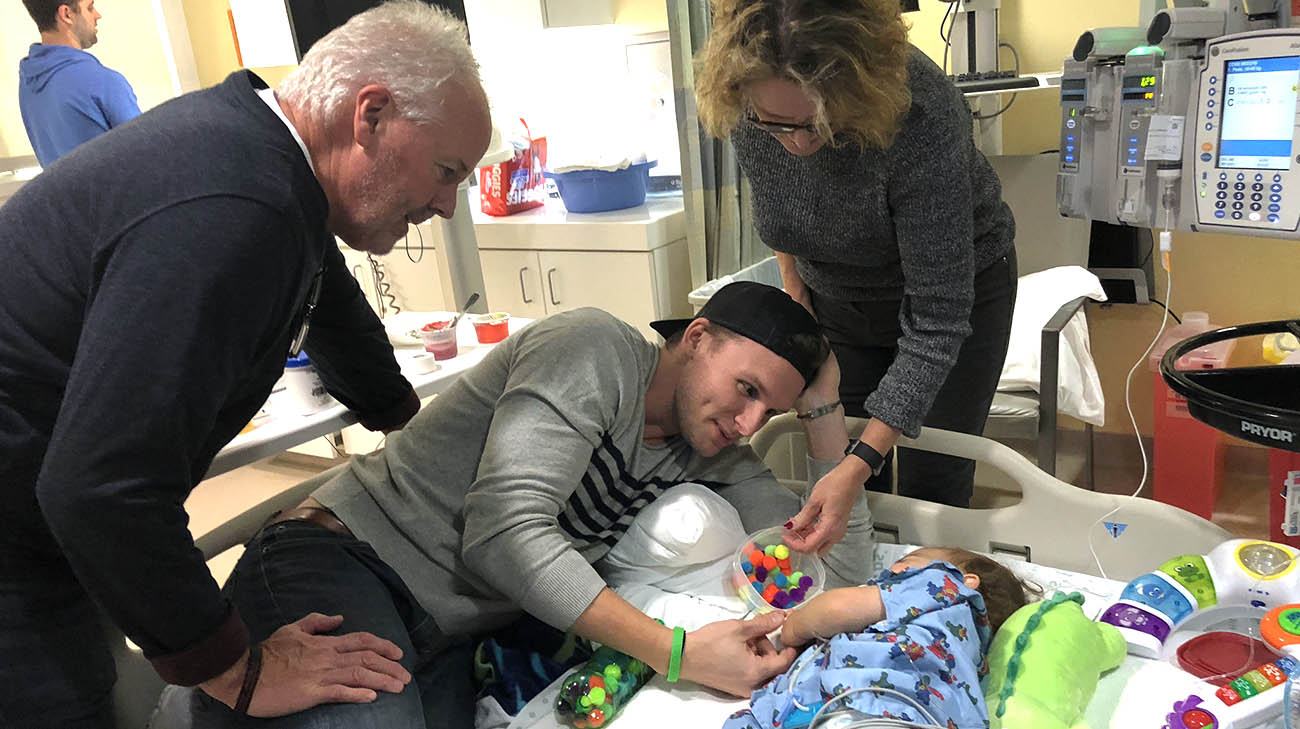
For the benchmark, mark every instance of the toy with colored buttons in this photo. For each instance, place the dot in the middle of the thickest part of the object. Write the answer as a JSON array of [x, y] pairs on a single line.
[[595, 693], [1255, 696], [771, 575]]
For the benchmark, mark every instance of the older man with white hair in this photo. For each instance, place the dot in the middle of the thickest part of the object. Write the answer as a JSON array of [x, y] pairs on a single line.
[[154, 283]]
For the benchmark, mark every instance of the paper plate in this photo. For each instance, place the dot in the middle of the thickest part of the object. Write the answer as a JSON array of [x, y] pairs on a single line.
[[402, 327]]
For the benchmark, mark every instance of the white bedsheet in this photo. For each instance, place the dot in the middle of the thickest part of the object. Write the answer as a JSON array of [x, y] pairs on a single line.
[[660, 704]]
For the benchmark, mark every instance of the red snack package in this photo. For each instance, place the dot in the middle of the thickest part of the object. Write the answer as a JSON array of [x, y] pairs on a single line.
[[517, 184]]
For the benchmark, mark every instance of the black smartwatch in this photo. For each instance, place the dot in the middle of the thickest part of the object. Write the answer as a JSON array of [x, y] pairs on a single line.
[[864, 451]]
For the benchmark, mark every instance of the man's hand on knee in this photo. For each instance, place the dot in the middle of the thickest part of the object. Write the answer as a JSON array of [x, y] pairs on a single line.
[[301, 669]]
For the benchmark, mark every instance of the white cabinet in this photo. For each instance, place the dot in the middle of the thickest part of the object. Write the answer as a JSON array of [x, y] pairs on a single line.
[[632, 263], [637, 287], [513, 281]]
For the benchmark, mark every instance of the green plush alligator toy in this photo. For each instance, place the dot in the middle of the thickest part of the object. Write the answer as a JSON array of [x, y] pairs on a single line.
[[1044, 664]]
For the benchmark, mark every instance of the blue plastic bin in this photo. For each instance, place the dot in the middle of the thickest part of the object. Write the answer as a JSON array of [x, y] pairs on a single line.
[[595, 191]]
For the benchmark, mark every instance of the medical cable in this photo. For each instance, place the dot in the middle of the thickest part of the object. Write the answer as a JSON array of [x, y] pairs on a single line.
[[1165, 243], [875, 690]]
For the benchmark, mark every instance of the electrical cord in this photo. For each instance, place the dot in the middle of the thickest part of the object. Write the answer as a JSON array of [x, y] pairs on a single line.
[[947, 41], [1010, 101], [1166, 308], [951, 8], [384, 297]]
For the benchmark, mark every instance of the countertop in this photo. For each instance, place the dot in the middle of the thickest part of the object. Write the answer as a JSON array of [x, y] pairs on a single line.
[[661, 220]]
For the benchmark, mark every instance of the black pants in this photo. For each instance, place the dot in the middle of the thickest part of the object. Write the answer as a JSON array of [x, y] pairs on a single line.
[[864, 336]]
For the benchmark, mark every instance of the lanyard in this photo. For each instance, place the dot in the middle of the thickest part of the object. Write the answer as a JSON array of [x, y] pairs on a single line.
[[295, 347]]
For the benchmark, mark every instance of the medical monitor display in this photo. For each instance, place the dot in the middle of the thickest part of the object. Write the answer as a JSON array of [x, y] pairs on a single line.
[[1259, 113], [1140, 88]]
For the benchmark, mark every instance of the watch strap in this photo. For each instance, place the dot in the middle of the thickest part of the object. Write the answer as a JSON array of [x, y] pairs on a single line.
[[874, 458]]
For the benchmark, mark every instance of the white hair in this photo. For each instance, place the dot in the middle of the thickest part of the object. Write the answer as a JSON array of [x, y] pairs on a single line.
[[408, 46]]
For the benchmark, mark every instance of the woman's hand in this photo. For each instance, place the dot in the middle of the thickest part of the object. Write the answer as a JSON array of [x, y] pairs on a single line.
[[821, 523]]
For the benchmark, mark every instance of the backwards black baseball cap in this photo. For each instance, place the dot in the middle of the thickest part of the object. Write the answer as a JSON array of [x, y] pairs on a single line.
[[766, 315]]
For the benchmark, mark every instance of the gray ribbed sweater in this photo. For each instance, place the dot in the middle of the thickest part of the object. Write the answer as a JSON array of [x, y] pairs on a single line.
[[910, 223], [499, 494]]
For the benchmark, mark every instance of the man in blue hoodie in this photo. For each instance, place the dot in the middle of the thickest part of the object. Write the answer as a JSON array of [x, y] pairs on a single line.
[[66, 95]]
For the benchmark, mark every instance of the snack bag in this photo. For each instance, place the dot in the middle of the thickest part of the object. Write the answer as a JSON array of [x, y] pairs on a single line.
[[509, 187]]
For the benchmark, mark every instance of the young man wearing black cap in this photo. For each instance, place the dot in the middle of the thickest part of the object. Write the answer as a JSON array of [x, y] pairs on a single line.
[[499, 496]]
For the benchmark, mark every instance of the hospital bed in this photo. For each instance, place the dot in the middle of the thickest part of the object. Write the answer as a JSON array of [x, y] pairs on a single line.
[[1049, 525]]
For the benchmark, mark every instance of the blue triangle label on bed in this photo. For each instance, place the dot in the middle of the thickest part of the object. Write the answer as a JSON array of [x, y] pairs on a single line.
[[1115, 528]]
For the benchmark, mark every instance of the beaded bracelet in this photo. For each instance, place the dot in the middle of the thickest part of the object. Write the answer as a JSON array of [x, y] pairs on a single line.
[[675, 658]]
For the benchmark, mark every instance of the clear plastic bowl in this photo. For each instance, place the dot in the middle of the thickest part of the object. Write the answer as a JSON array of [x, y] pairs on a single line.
[[809, 564], [441, 343]]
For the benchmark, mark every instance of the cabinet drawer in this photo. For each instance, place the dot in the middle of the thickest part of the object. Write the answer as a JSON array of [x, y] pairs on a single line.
[[514, 282]]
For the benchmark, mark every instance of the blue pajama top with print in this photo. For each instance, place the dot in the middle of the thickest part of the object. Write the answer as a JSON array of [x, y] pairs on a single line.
[[930, 647]]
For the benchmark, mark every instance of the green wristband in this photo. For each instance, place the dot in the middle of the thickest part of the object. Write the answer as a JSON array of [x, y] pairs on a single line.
[[675, 658]]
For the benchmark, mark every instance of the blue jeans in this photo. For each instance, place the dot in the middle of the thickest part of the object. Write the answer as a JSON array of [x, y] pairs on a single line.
[[294, 568], [55, 665]]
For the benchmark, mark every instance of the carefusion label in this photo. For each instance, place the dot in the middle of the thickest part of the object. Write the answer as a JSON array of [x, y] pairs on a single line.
[[1264, 431], [1258, 113]]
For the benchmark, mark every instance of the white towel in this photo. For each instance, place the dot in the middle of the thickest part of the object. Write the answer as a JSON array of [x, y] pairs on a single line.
[[1039, 297]]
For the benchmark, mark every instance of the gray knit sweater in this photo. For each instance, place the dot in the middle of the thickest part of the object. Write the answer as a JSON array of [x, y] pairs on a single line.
[[912, 223]]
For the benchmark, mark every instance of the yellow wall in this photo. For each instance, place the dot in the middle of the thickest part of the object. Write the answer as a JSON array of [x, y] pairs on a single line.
[[214, 46], [1236, 279], [129, 42]]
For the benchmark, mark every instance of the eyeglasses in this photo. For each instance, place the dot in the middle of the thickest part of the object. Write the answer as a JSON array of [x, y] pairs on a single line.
[[779, 128], [295, 347]]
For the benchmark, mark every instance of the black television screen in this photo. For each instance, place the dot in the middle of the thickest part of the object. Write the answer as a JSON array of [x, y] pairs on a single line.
[[309, 20]]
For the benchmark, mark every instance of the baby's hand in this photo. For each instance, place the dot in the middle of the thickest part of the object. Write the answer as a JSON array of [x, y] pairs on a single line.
[[790, 634]]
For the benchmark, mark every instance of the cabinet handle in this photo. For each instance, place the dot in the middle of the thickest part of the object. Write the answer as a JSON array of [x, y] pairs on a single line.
[[522, 289], [551, 285]]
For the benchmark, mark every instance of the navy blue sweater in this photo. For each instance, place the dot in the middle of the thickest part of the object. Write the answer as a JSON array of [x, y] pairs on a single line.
[[152, 280]]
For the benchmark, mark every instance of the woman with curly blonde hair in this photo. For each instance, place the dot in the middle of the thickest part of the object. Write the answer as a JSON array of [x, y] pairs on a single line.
[[887, 222]]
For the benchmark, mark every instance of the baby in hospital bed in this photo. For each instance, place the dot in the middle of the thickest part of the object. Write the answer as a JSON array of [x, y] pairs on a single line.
[[910, 644]]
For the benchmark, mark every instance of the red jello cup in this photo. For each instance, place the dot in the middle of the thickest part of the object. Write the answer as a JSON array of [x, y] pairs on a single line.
[[491, 328]]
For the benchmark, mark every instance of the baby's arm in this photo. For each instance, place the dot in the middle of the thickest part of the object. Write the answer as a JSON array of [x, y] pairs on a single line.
[[847, 609]]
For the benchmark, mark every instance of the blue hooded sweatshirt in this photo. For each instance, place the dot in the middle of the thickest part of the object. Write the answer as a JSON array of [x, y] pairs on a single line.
[[68, 97]]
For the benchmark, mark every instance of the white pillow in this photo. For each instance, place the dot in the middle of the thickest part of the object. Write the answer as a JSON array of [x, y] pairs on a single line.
[[1038, 298], [682, 542]]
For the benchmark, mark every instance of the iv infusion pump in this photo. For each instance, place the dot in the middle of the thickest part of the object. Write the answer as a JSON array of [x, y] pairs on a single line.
[[1210, 143], [1244, 155]]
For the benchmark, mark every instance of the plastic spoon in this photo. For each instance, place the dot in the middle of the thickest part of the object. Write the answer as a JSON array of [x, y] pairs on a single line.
[[468, 303]]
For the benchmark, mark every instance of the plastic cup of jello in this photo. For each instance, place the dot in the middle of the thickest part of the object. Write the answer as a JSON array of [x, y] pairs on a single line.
[[491, 328], [439, 339]]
